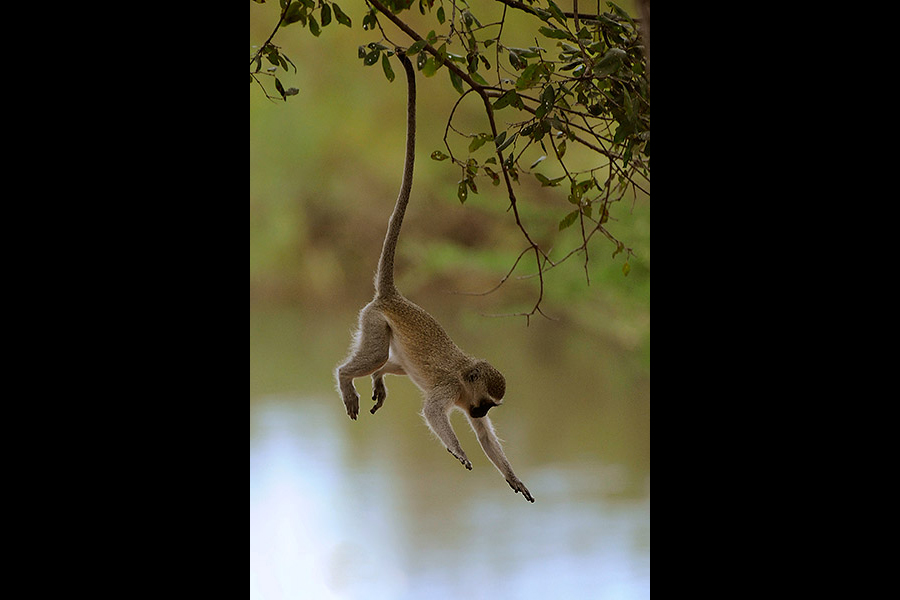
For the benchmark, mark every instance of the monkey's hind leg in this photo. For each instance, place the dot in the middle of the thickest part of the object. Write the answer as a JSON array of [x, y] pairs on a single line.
[[370, 351], [379, 392]]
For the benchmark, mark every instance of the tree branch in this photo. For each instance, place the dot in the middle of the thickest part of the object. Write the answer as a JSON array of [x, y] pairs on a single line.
[[271, 35], [530, 10], [489, 109], [428, 47]]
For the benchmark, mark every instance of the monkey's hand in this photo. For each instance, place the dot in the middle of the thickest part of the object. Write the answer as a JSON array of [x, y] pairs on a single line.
[[351, 402], [463, 459], [379, 393], [518, 486]]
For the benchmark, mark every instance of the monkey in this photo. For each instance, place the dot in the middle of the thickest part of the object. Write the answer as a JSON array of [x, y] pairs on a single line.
[[395, 336]]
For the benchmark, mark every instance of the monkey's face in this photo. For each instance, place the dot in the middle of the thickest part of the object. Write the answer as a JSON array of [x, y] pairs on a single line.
[[486, 387]]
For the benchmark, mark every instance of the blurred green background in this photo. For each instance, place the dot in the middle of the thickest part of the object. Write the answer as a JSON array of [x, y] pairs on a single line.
[[377, 508]]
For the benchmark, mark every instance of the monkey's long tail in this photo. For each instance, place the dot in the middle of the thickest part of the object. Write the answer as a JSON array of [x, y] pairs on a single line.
[[384, 280]]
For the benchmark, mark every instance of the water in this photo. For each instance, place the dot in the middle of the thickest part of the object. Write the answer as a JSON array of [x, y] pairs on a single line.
[[378, 509]]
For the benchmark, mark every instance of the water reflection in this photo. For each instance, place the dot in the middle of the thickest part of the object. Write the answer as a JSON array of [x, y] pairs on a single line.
[[377, 509], [332, 519]]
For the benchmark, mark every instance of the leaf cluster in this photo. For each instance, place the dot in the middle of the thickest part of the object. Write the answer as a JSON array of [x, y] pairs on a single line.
[[292, 11], [582, 82], [277, 59], [304, 12]]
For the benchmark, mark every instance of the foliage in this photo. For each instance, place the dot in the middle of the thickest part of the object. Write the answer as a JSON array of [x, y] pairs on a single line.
[[296, 11], [583, 82]]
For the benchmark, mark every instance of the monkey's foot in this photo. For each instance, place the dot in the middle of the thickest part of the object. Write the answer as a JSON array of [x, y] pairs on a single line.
[[379, 393], [518, 486], [465, 461]]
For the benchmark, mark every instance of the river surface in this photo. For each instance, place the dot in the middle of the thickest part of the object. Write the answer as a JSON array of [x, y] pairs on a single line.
[[378, 509]]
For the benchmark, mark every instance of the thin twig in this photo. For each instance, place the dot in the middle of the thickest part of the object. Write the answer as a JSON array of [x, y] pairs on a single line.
[[271, 35]]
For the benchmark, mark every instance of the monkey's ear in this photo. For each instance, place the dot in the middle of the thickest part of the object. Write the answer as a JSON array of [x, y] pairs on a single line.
[[471, 375]]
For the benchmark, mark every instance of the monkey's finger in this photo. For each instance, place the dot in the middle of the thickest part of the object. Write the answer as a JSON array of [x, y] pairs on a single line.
[[518, 486], [465, 461]]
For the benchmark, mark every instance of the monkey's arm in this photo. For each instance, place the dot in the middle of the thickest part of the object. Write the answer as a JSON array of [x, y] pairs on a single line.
[[379, 392], [437, 407], [494, 451]]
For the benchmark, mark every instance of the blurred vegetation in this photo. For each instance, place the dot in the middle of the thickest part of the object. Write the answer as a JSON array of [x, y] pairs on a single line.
[[325, 170]]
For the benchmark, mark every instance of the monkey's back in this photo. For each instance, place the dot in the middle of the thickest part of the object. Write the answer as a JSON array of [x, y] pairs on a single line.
[[419, 342]]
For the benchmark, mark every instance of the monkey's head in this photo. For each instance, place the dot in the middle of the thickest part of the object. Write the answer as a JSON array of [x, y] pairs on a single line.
[[485, 386]]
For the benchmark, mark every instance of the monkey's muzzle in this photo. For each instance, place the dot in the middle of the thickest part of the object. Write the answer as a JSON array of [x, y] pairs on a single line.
[[479, 411]]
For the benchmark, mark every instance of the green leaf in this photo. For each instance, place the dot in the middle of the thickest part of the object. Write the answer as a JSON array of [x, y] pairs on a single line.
[[508, 97], [326, 15], [516, 62], [556, 34], [568, 220], [291, 63], [342, 18], [502, 146], [279, 87], [621, 13], [537, 162], [462, 192], [546, 181], [438, 155], [456, 80], [431, 67], [548, 96], [478, 141], [479, 79], [626, 269], [610, 63], [295, 12], [629, 105], [556, 12], [528, 77], [386, 65], [313, 26], [372, 57], [622, 132], [415, 47], [440, 15]]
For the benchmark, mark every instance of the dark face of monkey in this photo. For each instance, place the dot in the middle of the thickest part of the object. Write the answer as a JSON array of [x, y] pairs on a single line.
[[487, 387]]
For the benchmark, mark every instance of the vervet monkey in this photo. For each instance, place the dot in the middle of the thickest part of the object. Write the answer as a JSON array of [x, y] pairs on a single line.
[[396, 336]]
